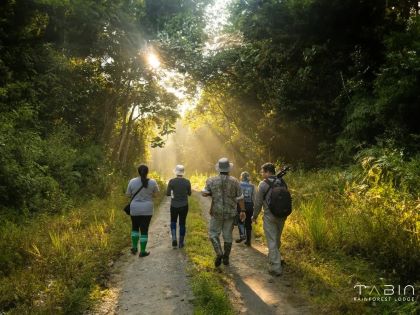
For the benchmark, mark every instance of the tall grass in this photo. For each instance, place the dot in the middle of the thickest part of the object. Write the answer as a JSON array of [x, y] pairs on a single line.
[[359, 224], [59, 264], [354, 211], [315, 223], [198, 180]]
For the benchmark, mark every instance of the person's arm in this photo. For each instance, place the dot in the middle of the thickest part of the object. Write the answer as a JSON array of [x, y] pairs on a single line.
[[189, 188], [207, 190], [241, 202], [259, 200], [254, 193], [169, 188]]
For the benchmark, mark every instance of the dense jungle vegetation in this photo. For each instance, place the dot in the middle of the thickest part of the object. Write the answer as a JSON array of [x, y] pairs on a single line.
[[331, 87]]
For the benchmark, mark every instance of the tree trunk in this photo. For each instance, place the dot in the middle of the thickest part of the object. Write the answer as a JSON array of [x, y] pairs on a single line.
[[126, 150], [117, 142], [125, 134], [109, 120]]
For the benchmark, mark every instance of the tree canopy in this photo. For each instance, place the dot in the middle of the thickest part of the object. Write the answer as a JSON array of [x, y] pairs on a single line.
[[305, 82], [315, 81], [78, 96]]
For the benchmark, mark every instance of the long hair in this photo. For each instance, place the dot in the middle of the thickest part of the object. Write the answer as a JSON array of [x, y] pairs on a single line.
[[143, 171]]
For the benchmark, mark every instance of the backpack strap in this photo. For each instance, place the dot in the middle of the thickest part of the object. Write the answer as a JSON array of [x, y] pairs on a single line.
[[136, 193], [271, 187]]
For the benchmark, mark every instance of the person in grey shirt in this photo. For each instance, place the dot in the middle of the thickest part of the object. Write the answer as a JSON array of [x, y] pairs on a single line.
[[179, 188], [273, 226], [142, 190]]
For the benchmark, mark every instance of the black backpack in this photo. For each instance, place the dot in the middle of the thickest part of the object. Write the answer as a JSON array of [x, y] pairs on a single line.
[[281, 201]]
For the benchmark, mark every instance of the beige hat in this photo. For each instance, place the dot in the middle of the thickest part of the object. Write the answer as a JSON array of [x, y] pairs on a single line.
[[224, 165], [179, 170]]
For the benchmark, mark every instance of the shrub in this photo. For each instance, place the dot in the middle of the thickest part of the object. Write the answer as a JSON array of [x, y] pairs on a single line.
[[370, 209]]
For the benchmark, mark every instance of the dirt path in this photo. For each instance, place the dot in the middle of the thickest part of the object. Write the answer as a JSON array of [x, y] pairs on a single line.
[[252, 289], [157, 284]]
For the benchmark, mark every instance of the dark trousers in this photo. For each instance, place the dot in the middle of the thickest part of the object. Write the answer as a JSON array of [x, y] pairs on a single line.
[[248, 221], [141, 222], [245, 227], [249, 207], [180, 212]]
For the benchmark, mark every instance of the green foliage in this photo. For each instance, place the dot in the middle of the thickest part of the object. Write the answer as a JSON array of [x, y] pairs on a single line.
[[355, 225], [55, 270], [78, 100], [388, 111], [385, 204], [313, 82], [44, 174], [209, 292], [63, 268], [210, 295], [371, 211], [315, 223]]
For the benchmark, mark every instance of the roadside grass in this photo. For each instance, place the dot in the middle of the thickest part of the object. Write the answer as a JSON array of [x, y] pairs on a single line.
[[198, 180], [323, 244], [60, 264], [207, 283]]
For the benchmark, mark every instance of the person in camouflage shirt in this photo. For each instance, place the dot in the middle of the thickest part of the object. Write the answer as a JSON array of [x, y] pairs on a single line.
[[226, 193]]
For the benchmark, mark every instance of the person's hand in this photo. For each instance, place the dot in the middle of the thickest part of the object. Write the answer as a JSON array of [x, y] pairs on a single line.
[[254, 220], [242, 216]]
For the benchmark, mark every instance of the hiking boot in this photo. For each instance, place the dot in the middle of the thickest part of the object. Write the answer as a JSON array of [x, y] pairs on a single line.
[[144, 254], [275, 273], [217, 247], [218, 261], [239, 240], [133, 251], [181, 242], [174, 244], [248, 237], [228, 248], [226, 260]]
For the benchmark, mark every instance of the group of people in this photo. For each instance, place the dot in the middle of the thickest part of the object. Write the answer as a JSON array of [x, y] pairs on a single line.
[[233, 203]]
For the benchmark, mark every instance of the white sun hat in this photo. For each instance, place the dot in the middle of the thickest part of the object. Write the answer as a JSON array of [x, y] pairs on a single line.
[[179, 170]]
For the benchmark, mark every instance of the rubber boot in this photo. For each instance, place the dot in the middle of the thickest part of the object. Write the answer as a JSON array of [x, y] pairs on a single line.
[[134, 241], [173, 233], [143, 243], [228, 248], [181, 242], [182, 231], [248, 237], [218, 249]]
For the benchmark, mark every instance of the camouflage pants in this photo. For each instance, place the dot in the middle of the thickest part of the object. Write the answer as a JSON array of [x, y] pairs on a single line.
[[219, 226]]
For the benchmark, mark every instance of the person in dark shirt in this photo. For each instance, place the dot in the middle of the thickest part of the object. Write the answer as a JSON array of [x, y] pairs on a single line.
[[179, 188], [249, 192]]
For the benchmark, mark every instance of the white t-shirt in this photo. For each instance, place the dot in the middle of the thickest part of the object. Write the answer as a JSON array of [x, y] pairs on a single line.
[[142, 203]]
